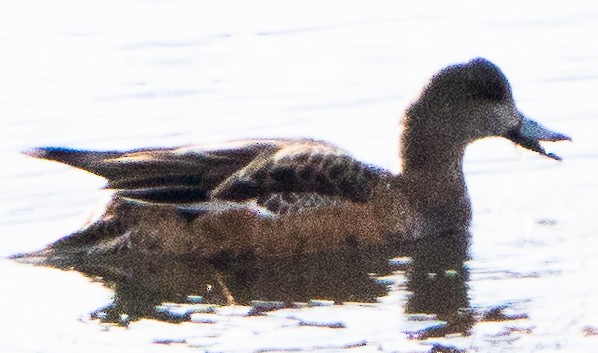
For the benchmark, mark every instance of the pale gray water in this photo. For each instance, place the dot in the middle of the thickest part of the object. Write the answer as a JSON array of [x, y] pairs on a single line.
[[125, 74]]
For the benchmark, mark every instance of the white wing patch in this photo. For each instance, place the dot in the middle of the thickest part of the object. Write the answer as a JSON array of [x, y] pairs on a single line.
[[268, 207], [212, 207]]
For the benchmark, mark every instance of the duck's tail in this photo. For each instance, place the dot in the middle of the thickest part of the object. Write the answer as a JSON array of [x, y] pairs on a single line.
[[91, 161], [65, 257], [39, 257], [74, 250], [106, 236]]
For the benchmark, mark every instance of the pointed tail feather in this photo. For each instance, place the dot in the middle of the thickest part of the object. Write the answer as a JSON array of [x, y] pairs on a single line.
[[91, 161]]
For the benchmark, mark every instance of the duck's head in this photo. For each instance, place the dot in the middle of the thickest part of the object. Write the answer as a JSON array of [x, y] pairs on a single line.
[[466, 102]]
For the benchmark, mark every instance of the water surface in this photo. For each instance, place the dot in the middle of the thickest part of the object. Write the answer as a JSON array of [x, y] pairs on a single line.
[[125, 74]]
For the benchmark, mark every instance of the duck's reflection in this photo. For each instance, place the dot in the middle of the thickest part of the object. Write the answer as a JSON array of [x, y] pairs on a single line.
[[436, 278]]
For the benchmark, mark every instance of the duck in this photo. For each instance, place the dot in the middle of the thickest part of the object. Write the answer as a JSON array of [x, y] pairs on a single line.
[[283, 197]]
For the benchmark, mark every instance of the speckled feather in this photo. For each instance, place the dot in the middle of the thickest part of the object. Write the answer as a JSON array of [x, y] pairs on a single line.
[[281, 175]]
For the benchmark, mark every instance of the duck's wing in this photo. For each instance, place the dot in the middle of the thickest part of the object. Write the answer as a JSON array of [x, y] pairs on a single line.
[[183, 174], [276, 175]]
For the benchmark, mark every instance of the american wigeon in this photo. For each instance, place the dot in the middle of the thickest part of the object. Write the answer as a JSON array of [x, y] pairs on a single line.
[[281, 196]]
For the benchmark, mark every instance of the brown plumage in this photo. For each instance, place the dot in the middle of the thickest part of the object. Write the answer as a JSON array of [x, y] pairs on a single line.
[[277, 197]]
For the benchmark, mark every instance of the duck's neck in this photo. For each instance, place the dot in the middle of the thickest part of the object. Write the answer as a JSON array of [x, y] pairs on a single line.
[[432, 173]]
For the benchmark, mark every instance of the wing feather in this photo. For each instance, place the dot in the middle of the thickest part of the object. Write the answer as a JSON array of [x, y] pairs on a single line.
[[304, 167], [279, 175]]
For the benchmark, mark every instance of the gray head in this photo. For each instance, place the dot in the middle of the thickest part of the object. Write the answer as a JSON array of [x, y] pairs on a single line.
[[466, 102]]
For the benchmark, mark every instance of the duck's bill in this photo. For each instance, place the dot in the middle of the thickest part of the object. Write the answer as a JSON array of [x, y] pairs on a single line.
[[529, 134]]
